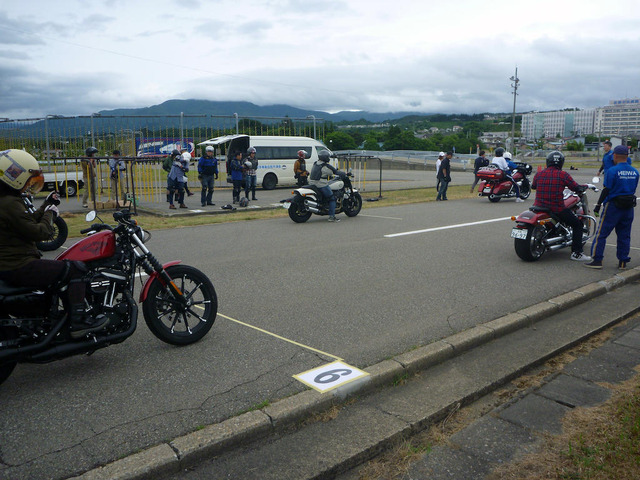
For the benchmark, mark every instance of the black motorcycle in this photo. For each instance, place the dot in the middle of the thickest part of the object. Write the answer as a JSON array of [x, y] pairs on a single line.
[[308, 200], [178, 301]]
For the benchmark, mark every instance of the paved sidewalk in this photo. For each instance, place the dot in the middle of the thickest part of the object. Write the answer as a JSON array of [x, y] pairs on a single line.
[[517, 427], [277, 443]]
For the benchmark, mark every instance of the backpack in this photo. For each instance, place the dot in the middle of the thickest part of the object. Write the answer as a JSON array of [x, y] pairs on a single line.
[[166, 164]]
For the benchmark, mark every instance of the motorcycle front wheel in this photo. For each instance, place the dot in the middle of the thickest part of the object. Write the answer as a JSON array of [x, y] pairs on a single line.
[[170, 322], [57, 239], [531, 248], [297, 213], [352, 205], [525, 190]]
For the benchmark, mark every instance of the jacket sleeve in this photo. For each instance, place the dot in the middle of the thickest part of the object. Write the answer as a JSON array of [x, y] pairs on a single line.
[[29, 226]]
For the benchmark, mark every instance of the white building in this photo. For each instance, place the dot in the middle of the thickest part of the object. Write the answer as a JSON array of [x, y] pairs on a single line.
[[620, 117], [565, 123]]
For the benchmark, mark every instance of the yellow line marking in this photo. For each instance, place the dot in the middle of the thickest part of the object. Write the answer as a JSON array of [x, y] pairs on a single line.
[[280, 337]]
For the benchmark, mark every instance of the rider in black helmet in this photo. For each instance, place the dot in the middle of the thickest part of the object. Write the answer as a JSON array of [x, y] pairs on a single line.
[[319, 177], [549, 185]]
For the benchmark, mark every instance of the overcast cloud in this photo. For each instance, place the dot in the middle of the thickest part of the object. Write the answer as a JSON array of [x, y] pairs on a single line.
[[80, 56]]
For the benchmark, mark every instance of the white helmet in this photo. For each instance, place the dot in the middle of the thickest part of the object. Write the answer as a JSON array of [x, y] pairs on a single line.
[[186, 156], [507, 155], [20, 171], [441, 154], [209, 148]]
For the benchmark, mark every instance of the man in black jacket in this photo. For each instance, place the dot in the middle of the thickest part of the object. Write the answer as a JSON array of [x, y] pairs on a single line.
[[481, 161]]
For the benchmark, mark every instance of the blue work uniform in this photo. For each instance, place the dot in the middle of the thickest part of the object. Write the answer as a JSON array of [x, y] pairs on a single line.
[[621, 180]]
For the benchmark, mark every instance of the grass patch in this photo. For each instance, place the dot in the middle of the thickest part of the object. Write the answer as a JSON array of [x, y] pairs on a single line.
[[596, 444]]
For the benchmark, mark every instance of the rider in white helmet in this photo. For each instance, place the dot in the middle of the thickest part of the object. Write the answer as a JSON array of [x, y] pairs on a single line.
[[20, 262]]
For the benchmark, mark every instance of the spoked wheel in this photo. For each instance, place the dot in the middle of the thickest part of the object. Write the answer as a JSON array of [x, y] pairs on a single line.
[[297, 213], [531, 248], [352, 205], [170, 320], [57, 238], [6, 368]]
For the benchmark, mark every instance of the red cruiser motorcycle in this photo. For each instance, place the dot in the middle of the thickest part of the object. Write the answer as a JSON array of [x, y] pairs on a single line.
[[495, 185], [538, 230], [179, 302]]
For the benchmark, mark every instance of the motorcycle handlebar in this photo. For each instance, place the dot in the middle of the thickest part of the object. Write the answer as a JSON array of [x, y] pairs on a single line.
[[96, 227]]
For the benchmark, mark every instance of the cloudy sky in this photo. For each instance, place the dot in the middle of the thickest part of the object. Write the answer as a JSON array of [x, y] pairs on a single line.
[[71, 57]]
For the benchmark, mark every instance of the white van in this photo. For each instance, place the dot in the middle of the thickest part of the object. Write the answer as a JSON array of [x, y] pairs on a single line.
[[276, 155]]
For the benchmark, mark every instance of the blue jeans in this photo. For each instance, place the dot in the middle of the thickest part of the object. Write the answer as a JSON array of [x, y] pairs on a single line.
[[250, 185], [328, 193], [207, 189], [442, 193]]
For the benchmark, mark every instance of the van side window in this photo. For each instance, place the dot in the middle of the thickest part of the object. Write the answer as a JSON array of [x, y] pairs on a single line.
[[272, 153]]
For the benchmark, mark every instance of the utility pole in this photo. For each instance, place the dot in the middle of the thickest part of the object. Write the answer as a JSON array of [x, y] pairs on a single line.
[[514, 85]]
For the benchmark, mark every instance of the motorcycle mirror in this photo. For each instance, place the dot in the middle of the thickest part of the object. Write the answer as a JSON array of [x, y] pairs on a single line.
[[91, 216], [595, 180]]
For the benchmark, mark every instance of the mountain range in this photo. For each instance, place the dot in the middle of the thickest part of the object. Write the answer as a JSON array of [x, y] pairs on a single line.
[[248, 109]]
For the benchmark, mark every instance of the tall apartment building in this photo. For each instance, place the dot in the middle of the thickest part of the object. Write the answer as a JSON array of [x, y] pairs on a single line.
[[620, 117], [562, 122]]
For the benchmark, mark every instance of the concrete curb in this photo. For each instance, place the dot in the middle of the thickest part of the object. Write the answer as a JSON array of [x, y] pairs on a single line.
[[189, 449]]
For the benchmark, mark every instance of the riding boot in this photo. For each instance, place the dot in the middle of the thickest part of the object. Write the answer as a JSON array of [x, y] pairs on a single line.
[[83, 323], [253, 194]]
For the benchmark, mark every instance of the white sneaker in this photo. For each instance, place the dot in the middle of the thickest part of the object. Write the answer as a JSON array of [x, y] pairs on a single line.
[[580, 257], [519, 200]]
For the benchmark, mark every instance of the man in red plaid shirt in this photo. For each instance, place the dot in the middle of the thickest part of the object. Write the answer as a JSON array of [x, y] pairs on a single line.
[[549, 185]]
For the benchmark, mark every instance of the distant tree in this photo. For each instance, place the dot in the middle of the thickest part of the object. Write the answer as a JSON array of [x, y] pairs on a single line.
[[340, 141], [574, 146]]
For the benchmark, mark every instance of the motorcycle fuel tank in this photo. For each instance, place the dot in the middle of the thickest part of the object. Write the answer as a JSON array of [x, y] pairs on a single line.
[[94, 247]]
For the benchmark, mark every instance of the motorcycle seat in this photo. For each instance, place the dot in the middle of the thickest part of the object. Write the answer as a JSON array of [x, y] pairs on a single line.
[[539, 209], [7, 290]]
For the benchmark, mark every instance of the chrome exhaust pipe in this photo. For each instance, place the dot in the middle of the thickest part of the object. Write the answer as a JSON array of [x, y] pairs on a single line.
[[313, 209], [310, 203], [554, 241]]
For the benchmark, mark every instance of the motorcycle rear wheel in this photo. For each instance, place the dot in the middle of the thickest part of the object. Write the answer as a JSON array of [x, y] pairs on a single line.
[[531, 248], [7, 368], [59, 236], [298, 214], [164, 317], [352, 205], [494, 199]]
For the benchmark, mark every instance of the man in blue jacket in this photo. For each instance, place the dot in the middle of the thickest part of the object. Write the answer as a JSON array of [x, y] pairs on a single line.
[[618, 201], [207, 172]]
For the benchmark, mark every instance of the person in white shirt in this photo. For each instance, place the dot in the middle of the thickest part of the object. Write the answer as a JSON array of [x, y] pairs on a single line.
[[438, 162]]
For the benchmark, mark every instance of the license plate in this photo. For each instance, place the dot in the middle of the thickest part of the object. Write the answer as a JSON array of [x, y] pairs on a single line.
[[487, 189], [286, 205], [519, 233]]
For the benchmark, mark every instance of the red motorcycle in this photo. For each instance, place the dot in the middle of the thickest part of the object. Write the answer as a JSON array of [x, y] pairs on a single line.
[[538, 230], [495, 184], [179, 302]]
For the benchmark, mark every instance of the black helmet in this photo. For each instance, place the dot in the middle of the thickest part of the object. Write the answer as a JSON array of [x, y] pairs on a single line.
[[324, 156], [91, 151], [499, 152], [555, 159], [175, 153]]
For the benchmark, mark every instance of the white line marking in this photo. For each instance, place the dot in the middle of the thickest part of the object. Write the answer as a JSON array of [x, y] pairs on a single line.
[[447, 227], [378, 216]]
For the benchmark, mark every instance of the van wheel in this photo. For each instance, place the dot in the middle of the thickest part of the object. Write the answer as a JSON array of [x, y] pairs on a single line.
[[72, 188], [269, 181]]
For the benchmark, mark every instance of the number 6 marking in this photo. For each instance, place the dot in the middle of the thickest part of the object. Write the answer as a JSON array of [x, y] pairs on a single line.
[[332, 375]]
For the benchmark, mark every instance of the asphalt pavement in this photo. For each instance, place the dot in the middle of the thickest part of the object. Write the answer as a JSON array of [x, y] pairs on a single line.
[[381, 297]]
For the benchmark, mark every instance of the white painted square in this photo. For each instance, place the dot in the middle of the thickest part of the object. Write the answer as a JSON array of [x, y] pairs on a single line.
[[330, 376]]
